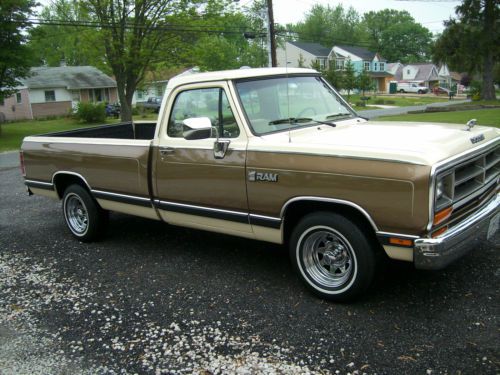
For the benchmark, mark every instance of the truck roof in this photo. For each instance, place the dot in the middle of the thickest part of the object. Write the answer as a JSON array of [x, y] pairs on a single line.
[[234, 74]]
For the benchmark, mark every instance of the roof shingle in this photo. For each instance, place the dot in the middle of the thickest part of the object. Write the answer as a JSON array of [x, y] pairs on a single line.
[[69, 77]]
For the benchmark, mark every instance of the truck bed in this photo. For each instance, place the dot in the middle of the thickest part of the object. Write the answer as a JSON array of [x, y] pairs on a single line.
[[124, 130]]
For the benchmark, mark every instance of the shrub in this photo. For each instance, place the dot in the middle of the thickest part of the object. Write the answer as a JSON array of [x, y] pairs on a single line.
[[379, 101], [389, 101], [476, 88], [360, 104], [91, 113]]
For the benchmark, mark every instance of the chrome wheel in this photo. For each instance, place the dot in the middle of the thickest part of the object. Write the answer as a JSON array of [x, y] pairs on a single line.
[[327, 257], [76, 214]]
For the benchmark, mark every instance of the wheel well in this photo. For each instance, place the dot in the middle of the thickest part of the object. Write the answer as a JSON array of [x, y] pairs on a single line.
[[62, 181], [297, 210]]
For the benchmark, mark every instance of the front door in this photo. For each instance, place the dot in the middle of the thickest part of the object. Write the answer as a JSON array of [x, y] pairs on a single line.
[[193, 186]]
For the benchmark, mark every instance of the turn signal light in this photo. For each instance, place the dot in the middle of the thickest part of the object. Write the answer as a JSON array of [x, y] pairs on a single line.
[[400, 241], [442, 215], [439, 232]]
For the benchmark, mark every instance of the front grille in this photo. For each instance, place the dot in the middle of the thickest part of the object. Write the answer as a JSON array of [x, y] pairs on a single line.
[[469, 179]]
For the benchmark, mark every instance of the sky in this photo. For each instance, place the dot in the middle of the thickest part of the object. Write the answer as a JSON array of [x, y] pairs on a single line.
[[430, 14]]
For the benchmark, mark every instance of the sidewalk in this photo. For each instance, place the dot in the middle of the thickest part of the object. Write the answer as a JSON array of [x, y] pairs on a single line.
[[9, 159]]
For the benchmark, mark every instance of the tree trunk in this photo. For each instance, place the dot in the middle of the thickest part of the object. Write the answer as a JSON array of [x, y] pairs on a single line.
[[125, 105], [488, 91]]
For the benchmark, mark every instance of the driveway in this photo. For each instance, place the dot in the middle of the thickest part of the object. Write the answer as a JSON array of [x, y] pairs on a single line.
[[157, 299], [373, 113]]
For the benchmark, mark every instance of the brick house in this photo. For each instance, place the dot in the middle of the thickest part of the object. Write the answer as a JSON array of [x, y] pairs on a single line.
[[55, 91]]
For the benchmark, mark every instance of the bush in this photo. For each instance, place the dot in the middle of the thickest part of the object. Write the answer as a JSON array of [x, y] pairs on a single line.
[[91, 113], [360, 104], [379, 101], [389, 101], [476, 88]]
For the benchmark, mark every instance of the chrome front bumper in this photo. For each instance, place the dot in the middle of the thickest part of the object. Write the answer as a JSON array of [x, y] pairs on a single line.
[[437, 253]]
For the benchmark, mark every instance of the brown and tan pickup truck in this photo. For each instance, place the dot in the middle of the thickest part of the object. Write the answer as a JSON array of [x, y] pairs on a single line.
[[277, 155]]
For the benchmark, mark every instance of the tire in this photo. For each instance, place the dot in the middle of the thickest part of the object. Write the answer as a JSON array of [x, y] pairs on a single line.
[[85, 219], [332, 256], [420, 92], [402, 91]]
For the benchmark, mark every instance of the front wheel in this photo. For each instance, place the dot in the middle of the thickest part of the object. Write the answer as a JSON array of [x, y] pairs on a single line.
[[84, 217], [332, 256]]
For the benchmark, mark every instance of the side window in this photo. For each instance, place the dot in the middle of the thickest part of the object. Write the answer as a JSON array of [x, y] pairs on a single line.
[[211, 103]]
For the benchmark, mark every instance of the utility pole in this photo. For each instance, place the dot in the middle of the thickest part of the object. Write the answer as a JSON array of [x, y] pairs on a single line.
[[271, 40]]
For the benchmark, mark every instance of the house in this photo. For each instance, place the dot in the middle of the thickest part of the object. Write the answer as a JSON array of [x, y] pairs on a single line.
[[425, 74], [301, 54], [55, 91], [150, 89], [363, 59]]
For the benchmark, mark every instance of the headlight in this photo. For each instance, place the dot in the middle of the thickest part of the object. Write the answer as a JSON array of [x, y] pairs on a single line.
[[443, 194], [439, 189]]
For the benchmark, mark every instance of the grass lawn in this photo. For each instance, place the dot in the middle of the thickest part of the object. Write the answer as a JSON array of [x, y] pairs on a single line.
[[395, 100], [489, 117], [12, 134]]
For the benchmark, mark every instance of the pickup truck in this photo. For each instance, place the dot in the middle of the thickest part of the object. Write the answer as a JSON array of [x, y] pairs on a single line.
[[404, 87], [275, 154], [153, 103]]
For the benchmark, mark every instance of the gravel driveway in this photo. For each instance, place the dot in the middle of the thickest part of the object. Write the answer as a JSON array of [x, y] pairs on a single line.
[[152, 298]]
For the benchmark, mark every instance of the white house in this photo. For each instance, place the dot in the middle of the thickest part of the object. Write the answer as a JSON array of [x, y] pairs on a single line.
[[301, 54]]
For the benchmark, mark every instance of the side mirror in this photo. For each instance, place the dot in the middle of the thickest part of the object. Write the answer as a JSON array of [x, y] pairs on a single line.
[[196, 128]]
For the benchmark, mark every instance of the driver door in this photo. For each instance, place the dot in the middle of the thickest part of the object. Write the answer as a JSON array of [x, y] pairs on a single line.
[[193, 186]]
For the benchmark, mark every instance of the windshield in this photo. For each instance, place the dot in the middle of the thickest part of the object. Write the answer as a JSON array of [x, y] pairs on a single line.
[[285, 103]]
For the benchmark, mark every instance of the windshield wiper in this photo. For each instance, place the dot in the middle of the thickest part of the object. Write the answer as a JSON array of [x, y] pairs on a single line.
[[299, 120], [336, 115]]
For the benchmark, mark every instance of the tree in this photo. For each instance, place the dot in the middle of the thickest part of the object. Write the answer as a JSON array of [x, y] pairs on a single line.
[[75, 45], [15, 56], [349, 78], [328, 26], [472, 42], [364, 82], [397, 36], [334, 77], [132, 33], [301, 61]]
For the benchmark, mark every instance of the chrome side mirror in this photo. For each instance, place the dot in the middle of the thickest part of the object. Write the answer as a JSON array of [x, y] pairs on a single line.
[[196, 128]]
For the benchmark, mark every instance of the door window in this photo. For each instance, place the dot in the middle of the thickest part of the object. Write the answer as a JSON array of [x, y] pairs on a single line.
[[208, 102]]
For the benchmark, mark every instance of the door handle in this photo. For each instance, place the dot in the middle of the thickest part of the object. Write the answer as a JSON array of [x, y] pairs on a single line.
[[166, 150]]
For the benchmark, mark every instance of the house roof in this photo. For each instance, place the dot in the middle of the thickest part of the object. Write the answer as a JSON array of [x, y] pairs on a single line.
[[426, 72], [315, 49], [69, 77], [361, 52]]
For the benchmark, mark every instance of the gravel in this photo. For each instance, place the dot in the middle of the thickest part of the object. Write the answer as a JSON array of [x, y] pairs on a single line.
[[158, 299]]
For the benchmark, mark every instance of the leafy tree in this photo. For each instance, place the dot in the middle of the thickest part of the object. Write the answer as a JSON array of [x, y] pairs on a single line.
[[15, 56], [397, 36], [349, 78], [334, 77], [328, 26], [133, 33], [315, 65], [364, 82], [75, 45], [472, 41], [301, 61]]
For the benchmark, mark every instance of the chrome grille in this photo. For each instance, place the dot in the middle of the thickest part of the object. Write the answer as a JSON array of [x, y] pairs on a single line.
[[467, 180]]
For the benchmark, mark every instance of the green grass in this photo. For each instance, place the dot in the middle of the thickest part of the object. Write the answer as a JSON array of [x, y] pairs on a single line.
[[397, 101], [490, 117], [12, 134]]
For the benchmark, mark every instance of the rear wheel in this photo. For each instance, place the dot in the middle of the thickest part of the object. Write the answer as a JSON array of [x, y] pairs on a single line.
[[332, 256], [84, 218]]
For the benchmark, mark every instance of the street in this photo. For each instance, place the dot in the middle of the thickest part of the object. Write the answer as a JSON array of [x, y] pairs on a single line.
[[154, 298]]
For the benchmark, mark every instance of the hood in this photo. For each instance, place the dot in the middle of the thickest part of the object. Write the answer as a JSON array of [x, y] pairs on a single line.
[[416, 143]]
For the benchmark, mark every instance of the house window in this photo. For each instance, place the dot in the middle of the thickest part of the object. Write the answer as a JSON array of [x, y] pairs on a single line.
[[367, 65], [106, 95], [382, 67], [340, 64], [159, 91], [322, 63], [140, 94], [50, 96], [98, 95], [375, 66], [408, 71], [19, 99]]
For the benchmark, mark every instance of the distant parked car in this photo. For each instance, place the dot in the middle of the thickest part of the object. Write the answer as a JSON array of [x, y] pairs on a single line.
[[153, 103], [412, 88], [113, 110], [441, 91]]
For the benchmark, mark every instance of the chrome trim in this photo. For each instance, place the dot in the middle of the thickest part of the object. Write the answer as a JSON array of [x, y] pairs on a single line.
[[202, 208], [450, 162], [270, 218], [41, 183], [123, 196], [390, 234], [329, 200], [73, 174], [437, 253]]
